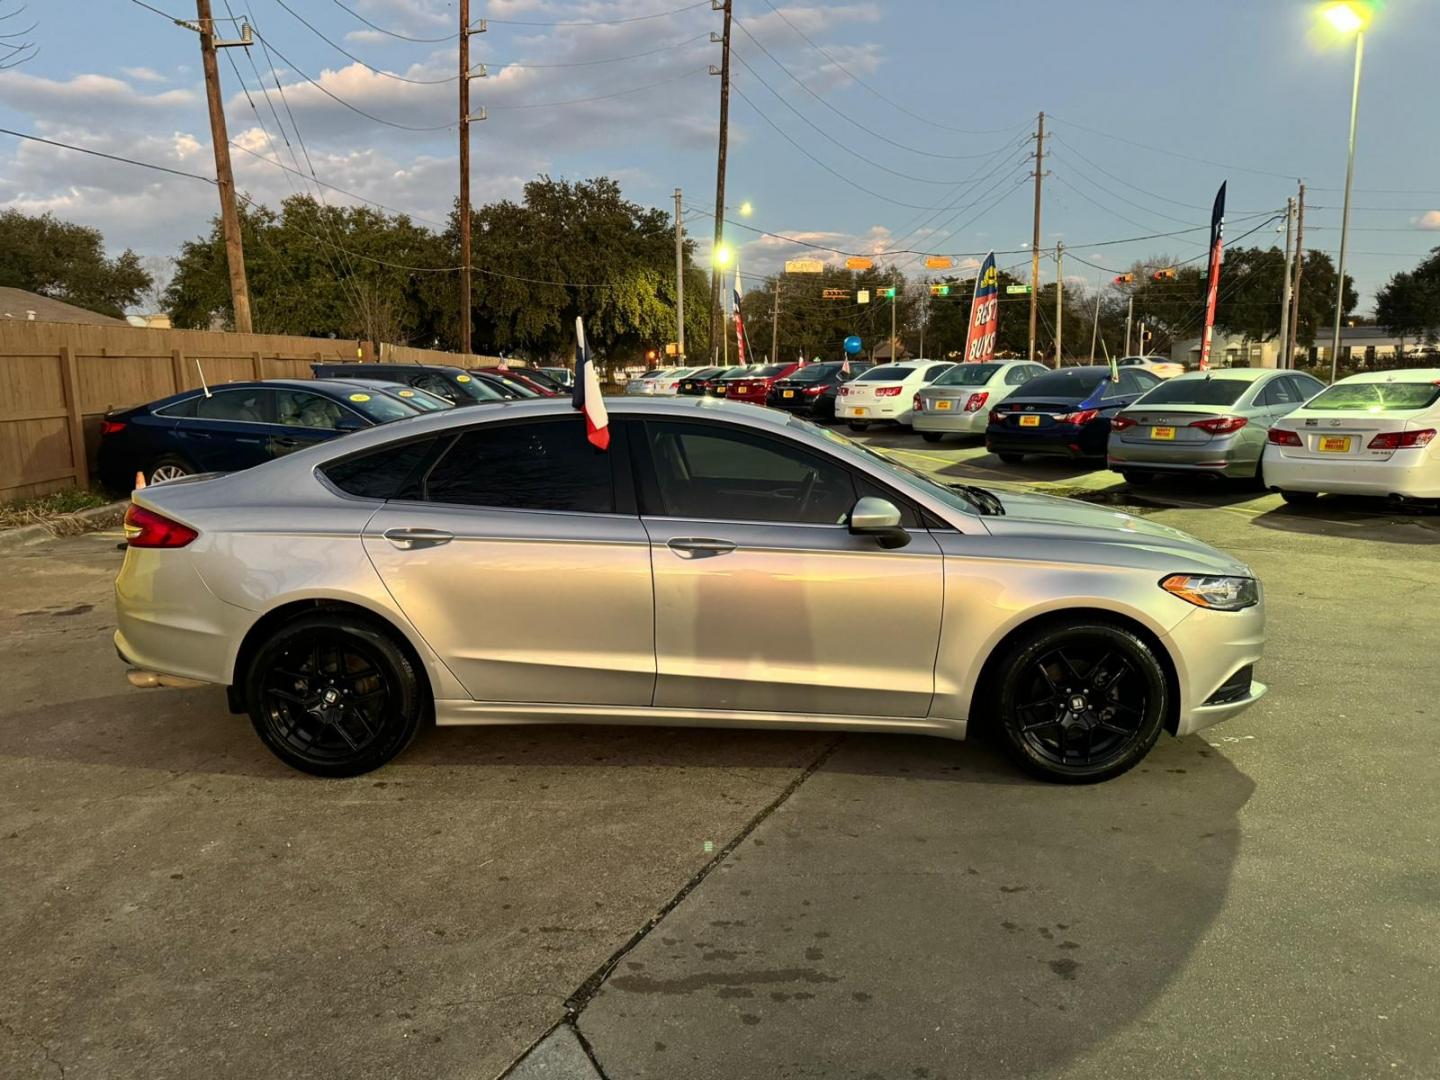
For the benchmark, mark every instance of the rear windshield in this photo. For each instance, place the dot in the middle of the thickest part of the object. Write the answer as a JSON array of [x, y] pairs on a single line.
[[813, 373], [1063, 384], [885, 373], [968, 375], [769, 371], [1196, 392], [1376, 397]]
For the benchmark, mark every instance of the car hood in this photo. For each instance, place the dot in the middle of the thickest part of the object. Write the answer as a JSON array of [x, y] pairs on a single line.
[[1116, 537]]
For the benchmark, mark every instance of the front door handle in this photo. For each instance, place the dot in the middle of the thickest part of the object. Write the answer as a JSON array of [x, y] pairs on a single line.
[[699, 547], [409, 539]]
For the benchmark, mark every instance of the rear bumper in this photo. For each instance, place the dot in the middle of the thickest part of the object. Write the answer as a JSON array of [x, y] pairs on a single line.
[[1411, 474], [1056, 441], [898, 412], [1217, 457], [168, 620], [956, 422]]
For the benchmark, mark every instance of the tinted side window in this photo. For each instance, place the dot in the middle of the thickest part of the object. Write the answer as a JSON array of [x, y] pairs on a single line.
[[180, 408], [1019, 374], [249, 406], [1305, 386], [382, 473], [1279, 392], [296, 408], [706, 471], [436, 385], [547, 465]]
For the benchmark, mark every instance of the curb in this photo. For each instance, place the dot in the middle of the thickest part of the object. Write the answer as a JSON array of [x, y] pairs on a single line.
[[92, 520]]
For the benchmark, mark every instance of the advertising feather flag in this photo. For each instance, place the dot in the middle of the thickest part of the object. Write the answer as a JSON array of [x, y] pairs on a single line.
[[586, 395], [984, 314], [1212, 281]]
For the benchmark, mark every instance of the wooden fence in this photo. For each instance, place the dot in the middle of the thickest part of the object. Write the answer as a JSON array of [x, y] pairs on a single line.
[[57, 380]]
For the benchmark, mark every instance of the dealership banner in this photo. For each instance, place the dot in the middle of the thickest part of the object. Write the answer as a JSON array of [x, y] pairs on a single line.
[[984, 314], [1212, 280]]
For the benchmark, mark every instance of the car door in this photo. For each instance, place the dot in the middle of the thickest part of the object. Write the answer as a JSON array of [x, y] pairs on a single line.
[[230, 429], [764, 600], [306, 419], [516, 559]]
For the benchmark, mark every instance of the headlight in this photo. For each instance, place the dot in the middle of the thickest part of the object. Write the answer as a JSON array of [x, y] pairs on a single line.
[[1219, 593]]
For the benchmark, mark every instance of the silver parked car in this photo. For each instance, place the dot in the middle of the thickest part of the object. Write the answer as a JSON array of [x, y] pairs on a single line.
[[959, 401], [1211, 422], [719, 566]]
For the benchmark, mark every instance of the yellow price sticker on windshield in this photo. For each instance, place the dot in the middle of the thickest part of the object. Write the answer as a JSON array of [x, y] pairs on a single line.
[[359, 397], [406, 393], [462, 378]]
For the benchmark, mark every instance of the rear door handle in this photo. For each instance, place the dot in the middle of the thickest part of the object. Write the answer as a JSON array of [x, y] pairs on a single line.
[[409, 539], [699, 547]]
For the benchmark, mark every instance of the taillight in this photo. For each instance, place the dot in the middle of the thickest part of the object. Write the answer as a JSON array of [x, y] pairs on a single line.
[[1121, 423], [1084, 416], [1281, 437], [997, 416], [1402, 440], [147, 529], [812, 391], [844, 391], [1221, 425], [976, 402], [111, 427], [888, 391], [918, 404]]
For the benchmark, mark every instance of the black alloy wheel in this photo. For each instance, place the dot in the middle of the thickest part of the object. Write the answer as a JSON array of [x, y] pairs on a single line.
[[333, 695], [1011, 459], [1299, 498], [1081, 702], [1137, 477], [931, 436]]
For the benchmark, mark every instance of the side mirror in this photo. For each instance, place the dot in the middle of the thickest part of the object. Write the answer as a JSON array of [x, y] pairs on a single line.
[[880, 518]]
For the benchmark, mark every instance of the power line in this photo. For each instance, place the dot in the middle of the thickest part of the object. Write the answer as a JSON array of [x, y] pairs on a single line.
[[363, 63], [1129, 202], [111, 157], [603, 22], [888, 101], [1095, 202], [391, 33], [606, 60], [1174, 153], [596, 97]]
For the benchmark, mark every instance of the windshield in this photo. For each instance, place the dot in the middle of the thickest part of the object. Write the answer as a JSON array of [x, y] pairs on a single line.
[[1063, 384], [418, 399], [1376, 397], [1209, 391], [812, 373], [379, 406], [901, 473], [968, 375], [884, 373], [477, 389]]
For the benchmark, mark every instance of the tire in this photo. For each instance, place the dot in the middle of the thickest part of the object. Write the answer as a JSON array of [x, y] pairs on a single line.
[[931, 436], [857, 425], [305, 687], [168, 467], [1137, 477], [1044, 678], [1009, 458], [1299, 498]]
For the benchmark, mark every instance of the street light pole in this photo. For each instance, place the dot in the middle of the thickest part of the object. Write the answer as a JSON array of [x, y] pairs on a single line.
[[1345, 213], [679, 282]]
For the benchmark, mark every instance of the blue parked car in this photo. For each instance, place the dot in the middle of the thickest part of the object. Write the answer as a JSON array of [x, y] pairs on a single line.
[[1065, 413], [235, 426]]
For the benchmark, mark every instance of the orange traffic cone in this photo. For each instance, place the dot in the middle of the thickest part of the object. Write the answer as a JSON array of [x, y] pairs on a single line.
[[139, 480]]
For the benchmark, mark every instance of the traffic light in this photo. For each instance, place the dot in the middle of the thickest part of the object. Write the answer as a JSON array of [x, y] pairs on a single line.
[[1167, 274], [888, 293], [1125, 279], [650, 354], [939, 290]]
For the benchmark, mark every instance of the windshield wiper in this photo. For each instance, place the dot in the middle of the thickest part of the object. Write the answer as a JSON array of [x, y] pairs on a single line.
[[984, 500]]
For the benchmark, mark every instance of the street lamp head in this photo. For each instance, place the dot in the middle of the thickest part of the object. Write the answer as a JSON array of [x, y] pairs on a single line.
[[1347, 16], [746, 209], [724, 256]]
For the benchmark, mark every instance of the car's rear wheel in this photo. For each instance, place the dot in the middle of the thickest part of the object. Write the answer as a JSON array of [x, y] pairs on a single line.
[[1011, 459], [334, 695], [1299, 497], [168, 467], [1081, 702], [857, 425], [930, 436], [1137, 477]]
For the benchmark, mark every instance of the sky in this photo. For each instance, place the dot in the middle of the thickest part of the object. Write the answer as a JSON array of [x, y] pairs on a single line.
[[856, 126]]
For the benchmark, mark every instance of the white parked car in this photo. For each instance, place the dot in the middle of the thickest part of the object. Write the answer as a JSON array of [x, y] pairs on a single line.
[[960, 400], [641, 384], [886, 392], [667, 383], [1160, 368], [1370, 434]]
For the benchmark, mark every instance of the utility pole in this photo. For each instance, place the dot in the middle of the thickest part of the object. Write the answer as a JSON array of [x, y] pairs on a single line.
[[225, 179], [1059, 298], [894, 299], [924, 316], [679, 284], [1299, 272], [775, 325], [465, 31], [1282, 361], [1095, 326], [1129, 317], [717, 320], [1035, 234], [1142, 338]]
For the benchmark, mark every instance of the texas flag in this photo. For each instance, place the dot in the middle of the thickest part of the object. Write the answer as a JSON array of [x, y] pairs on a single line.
[[586, 396], [741, 344]]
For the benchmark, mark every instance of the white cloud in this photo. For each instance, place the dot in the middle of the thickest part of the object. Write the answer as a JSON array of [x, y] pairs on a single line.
[[1428, 220], [83, 95], [366, 37], [144, 74]]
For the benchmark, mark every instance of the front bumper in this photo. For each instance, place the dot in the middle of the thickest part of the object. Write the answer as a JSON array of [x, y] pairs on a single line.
[[1209, 648], [1410, 474]]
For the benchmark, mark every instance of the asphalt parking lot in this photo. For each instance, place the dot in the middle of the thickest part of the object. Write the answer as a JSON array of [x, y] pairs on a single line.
[[1259, 900]]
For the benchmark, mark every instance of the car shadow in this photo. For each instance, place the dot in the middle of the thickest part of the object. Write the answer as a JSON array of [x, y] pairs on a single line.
[[1349, 517], [897, 918]]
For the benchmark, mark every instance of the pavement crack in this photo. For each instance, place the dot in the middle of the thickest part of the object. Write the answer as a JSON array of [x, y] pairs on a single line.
[[50, 1058]]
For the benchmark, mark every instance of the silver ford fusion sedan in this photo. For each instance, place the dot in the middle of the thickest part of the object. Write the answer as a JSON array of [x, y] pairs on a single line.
[[720, 565]]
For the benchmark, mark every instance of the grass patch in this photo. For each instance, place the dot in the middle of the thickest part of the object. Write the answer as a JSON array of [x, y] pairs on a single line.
[[52, 509]]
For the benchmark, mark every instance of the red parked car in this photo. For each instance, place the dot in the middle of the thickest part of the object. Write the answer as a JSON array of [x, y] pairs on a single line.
[[755, 387]]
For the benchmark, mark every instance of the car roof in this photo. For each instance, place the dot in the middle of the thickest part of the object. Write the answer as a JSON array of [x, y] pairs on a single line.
[[387, 365], [1409, 375], [1243, 374]]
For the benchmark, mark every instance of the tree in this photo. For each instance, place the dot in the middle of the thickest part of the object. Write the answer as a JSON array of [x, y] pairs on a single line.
[[811, 325], [1408, 305], [67, 262]]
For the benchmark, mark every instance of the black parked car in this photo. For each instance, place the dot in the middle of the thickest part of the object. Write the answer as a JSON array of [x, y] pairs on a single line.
[[822, 405], [1066, 413], [699, 381], [235, 426], [452, 383], [799, 390]]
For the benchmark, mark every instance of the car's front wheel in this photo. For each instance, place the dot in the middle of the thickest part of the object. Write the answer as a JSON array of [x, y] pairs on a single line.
[[1081, 701], [334, 695]]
